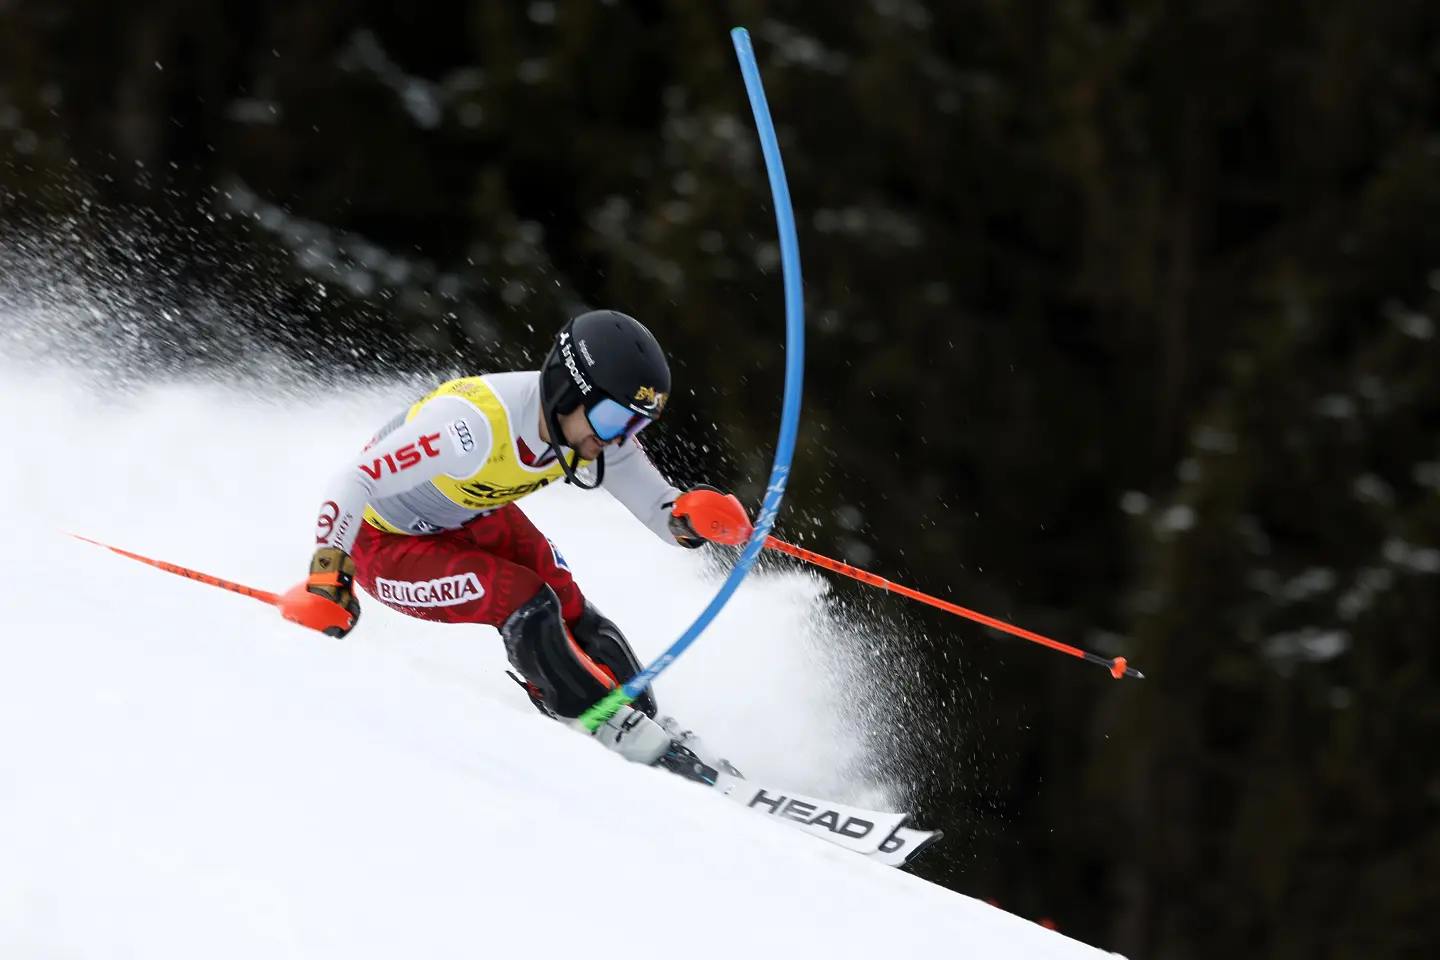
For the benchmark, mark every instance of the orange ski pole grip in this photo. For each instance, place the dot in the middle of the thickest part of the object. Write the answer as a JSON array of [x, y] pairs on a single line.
[[718, 517], [299, 605], [1117, 667]]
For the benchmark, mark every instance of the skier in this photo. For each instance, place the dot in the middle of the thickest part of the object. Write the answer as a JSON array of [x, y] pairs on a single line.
[[426, 521]]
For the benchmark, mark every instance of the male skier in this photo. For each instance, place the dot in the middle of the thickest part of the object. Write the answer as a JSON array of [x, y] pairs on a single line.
[[425, 518]]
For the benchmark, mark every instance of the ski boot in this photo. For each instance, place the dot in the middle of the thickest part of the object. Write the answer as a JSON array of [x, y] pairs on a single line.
[[635, 737]]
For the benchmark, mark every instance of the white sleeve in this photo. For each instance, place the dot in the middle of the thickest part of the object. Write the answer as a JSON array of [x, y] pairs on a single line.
[[447, 436], [632, 479]]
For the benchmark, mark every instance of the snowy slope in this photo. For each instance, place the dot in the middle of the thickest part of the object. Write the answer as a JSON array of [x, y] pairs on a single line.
[[184, 775]]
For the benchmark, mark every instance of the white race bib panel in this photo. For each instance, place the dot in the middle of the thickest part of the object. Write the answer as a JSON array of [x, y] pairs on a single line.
[[449, 501]]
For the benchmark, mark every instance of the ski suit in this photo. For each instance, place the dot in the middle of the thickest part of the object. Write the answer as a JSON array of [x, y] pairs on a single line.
[[428, 510]]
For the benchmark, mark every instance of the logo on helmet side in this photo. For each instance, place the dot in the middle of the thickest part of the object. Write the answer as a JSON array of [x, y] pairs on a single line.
[[568, 353], [651, 399]]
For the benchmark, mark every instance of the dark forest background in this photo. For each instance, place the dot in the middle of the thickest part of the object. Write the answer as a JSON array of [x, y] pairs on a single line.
[[1121, 321]]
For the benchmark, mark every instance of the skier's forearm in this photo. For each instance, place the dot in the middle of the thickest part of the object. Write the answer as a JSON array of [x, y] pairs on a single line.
[[338, 522], [633, 480]]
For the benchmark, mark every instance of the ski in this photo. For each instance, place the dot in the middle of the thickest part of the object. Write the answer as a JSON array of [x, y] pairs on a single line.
[[879, 835], [854, 828], [904, 845]]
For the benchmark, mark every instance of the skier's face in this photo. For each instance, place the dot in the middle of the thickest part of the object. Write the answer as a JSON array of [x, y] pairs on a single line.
[[580, 436]]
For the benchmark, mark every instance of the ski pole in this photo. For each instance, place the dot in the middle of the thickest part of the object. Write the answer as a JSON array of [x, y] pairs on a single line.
[[264, 596], [297, 604], [1118, 667]]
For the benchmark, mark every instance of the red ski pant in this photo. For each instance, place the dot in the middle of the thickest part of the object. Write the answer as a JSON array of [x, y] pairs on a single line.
[[479, 573]]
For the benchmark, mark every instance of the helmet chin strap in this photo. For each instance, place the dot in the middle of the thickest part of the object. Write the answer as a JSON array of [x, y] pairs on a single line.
[[572, 474]]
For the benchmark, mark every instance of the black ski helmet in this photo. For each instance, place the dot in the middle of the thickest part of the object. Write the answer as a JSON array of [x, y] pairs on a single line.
[[600, 355]]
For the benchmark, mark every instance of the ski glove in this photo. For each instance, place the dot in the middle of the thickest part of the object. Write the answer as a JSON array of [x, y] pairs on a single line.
[[705, 513], [326, 600]]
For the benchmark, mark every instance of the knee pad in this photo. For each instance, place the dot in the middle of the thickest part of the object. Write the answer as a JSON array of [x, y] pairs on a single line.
[[603, 642], [540, 647]]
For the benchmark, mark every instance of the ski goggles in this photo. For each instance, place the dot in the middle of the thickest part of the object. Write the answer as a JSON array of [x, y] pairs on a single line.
[[611, 420]]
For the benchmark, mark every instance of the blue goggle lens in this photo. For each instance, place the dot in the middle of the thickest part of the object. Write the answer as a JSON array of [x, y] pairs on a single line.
[[610, 420]]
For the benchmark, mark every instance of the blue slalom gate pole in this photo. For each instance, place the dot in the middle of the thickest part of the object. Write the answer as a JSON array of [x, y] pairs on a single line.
[[790, 411]]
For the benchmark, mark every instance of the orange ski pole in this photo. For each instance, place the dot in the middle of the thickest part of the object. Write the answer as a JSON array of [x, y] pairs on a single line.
[[265, 596], [297, 604], [1118, 667]]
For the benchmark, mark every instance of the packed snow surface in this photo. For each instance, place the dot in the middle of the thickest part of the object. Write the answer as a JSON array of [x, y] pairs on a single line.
[[183, 774]]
